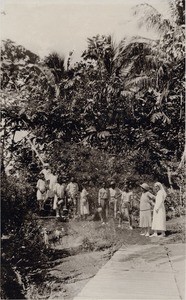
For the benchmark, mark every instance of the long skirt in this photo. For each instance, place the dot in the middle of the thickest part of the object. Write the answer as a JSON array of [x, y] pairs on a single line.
[[145, 218], [159, 219], [84, 208]]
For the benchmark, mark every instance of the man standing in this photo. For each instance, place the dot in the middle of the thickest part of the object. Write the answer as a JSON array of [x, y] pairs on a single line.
[[46, 171], [60, 197], [41, 191], [103, 201], [114, 195], [126, 206], [72, 192]]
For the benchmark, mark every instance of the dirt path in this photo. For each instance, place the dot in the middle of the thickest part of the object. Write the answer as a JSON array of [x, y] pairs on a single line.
[[86, 247]]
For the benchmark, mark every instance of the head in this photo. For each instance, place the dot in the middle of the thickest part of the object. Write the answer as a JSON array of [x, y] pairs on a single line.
[[126, 188], [41, 176], [85, 185], [104, 185], [72, 179], [60, 179], [157, 186], [113, 184], [145, 187], [46, 166], [54, 171]]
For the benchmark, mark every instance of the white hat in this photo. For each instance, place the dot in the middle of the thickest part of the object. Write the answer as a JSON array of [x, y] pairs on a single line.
[[145, 186]]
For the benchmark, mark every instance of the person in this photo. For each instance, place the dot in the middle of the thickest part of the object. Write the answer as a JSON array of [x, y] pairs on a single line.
[[46, 171], [59, 196], [145, 209], [72, 192], [159, 214], [53, 179], [103, 202], [84, 204], [126, 207], [114, 194], [41, 191]]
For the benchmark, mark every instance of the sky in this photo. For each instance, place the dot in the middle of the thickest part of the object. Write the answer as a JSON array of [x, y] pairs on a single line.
[[43, 26]]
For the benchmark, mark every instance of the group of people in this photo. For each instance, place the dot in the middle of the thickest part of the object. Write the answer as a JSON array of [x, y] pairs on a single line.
[[112, 201], [148, 200]]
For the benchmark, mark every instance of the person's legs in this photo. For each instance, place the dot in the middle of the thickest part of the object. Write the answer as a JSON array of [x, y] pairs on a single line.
[[100, 215], [115, 209], [57, 212], [120, 219], [103, 212], [162, 233], [106, 212], [143, 231], [111, 209], [130, 221], [127, 214], [154, 234], [147, 231]]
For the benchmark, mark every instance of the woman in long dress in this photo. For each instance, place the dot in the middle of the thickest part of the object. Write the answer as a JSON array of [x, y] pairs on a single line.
[[41, 191], [84, 204], [159, 214], [145, 209]]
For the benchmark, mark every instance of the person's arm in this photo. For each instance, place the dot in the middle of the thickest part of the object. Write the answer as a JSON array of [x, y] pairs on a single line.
[[151, 198], [160, 201], [37, 186], [99, 197], [131, 200], [77, 188], [118, 193], [68, 187]]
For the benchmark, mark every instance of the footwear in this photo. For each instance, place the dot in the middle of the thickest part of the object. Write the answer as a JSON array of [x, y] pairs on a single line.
[[162, 235], [154, 234], [130, 227], [103, 223], [142, 233], [147, 234], [119, 226]]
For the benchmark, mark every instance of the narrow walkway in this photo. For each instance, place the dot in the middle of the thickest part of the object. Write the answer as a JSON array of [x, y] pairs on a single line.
[[140, 272]]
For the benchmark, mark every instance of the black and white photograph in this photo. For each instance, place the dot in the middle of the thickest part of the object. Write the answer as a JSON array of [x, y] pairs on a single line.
[[93, 198]]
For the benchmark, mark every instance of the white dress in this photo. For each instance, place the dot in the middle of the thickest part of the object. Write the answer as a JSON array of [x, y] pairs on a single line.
[[159, 219], [59, 190], [41, 190], [84, 205]]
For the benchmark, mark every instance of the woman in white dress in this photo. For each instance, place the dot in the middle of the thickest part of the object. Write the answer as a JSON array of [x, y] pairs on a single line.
[[159, 214], [41, 191], [84, 205]]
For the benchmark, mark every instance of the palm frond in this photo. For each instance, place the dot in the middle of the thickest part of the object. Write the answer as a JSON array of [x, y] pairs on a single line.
[[140, 82], [177, 11], [149, 17]]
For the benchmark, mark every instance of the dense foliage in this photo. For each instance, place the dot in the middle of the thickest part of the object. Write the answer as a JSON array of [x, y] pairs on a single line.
[[116, 113]]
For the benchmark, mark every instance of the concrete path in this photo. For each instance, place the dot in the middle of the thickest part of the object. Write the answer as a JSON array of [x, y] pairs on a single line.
[[140, 272]]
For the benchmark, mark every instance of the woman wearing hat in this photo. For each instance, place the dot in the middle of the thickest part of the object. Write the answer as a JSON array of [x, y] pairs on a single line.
[[159, 215], [145, 209]]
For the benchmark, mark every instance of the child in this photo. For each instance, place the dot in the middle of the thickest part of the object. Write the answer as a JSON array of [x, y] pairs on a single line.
[[41, 191], [84, 205], [126, 207], [59, 196], [103, 201]]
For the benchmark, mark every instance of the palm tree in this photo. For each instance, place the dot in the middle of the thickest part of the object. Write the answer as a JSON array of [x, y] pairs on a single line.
[[151, 63], [56, 64]]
